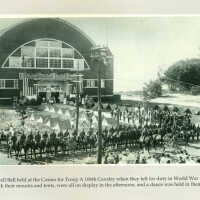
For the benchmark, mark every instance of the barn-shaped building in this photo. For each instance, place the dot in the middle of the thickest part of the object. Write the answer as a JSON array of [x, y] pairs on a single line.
[[41, 57]]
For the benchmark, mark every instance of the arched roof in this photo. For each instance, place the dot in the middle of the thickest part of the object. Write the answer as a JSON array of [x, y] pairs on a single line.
[[32, 29]]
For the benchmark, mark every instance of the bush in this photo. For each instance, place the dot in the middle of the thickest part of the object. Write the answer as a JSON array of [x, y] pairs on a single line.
[[152, 90], [195, 90]]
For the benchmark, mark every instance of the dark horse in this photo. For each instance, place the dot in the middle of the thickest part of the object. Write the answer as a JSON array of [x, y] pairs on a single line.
[[12, 145], [15, 144], [29, 144]]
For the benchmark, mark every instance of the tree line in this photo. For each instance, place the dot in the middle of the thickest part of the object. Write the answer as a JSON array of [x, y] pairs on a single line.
[[182, 76]]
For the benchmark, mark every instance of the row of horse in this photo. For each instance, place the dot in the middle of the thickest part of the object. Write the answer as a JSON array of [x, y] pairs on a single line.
[[26, 147]]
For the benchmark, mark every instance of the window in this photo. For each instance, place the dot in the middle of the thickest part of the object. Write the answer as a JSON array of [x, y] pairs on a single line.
[[55, 44], [2, 83], [102, 83], [15, 61], [27, 51], [55, 53], [67, 53], [16, 84], [68, 64], [8, 84], [28, 62], [41, 63], [42, 43], [30, 55], [55, 63], [41, 52], [91, 83]]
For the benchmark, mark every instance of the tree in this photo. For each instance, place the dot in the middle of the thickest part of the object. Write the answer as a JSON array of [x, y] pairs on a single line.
[[152, 89], [183, 75]]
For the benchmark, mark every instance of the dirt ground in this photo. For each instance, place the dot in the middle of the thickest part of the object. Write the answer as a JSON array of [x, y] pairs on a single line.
[[79, 157]]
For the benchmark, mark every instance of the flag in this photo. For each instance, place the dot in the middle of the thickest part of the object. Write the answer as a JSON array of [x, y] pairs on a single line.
[[29, 87]]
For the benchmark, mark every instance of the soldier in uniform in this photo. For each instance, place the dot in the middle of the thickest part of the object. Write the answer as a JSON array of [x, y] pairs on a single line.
[[23, 137], [60, 134], [66, 134], [30, 136], [53, 135], [45, 135], [38, 137]]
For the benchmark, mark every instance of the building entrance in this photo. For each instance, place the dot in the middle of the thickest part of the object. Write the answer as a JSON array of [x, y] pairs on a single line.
[[54, 91], [47, 96], [56, 96]]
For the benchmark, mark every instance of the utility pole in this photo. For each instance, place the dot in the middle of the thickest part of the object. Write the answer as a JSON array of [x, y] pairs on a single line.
[[77, 81], [77, 102], [118, 111], [139, 115], [99, 152], [100, 56]]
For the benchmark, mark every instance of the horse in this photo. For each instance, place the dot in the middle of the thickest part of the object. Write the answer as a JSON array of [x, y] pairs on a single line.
[[19, 146], [26, 147], [42, 146], [12, 145]]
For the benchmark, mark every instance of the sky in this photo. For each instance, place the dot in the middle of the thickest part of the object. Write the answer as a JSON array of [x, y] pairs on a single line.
[[142, 46]]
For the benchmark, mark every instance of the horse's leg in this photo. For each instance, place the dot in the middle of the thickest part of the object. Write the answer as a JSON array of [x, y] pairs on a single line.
[[25, 153], [85, 146], [34, 151], [63, 148], [47, 151], [148, 147], [40, 151], [20, 151], [8, 150], [51, 149], [54, 148], [16, 152]]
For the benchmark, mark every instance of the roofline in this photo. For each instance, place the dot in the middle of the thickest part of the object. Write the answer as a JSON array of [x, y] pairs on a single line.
[[5, 30]]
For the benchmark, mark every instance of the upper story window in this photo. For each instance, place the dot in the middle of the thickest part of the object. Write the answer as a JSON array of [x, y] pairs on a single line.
[[55, 53], [2, 83], [44, 54], [93, 83], [102, 83], [9, 84]]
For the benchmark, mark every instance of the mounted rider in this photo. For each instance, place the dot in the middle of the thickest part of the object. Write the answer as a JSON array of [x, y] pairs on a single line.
[[38, 137]]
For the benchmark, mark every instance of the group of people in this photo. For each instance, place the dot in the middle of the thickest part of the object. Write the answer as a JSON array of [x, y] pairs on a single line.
[[23, 141], [143, 157], [143, 114], [156, 128]]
